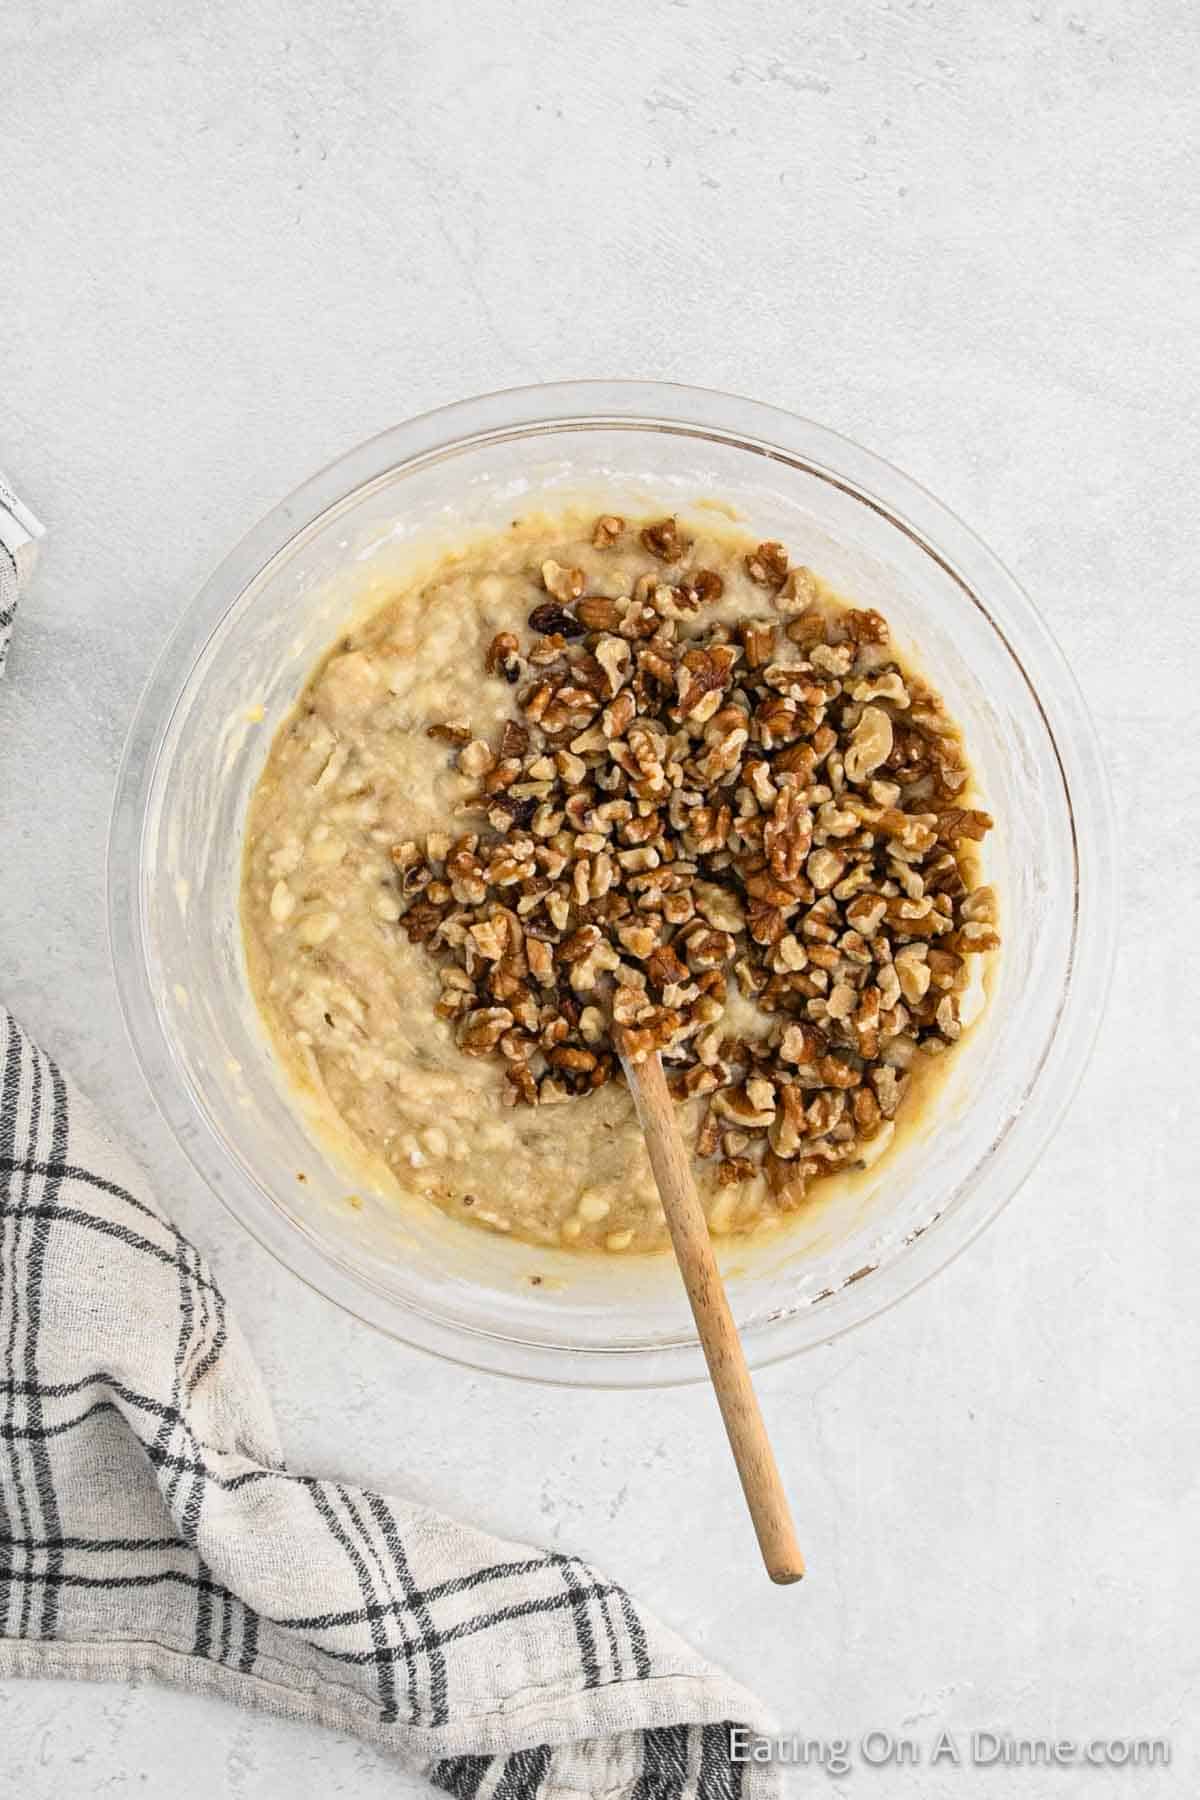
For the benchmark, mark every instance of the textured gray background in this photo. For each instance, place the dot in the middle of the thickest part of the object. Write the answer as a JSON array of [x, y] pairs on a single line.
[[237, 239]]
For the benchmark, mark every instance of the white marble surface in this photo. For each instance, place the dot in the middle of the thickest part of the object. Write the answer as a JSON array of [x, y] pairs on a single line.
[[238, 239]]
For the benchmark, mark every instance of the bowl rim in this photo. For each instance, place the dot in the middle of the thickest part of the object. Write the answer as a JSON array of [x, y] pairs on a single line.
[[739, 423]]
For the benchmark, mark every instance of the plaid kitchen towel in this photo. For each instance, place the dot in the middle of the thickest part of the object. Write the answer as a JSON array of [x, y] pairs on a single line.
[[8, 594], [149, 1525]]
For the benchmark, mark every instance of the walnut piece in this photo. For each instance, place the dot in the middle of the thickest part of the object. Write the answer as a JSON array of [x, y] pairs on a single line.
[[768, 565], [606, 531], [664, 540], [565, 584]]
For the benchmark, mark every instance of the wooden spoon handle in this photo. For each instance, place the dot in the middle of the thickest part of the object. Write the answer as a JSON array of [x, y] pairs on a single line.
[[718, 1334]]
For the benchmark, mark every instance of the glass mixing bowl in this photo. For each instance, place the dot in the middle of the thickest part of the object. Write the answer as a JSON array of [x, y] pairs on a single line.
[[232, 669]]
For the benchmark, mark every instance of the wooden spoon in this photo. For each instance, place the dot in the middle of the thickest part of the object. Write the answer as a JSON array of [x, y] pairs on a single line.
[[723, 1351]]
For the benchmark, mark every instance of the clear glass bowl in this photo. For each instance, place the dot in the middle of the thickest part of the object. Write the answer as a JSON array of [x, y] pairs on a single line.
[[231, 670]]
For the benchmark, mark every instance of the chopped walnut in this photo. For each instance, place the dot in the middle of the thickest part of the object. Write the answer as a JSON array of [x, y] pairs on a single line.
[[707, 585], [664, 540], [476, 758], [565, 584], [450, 731], [870, 745], [798, 593], [681, 808], [606, 531], [502, 657], [768, 565]]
